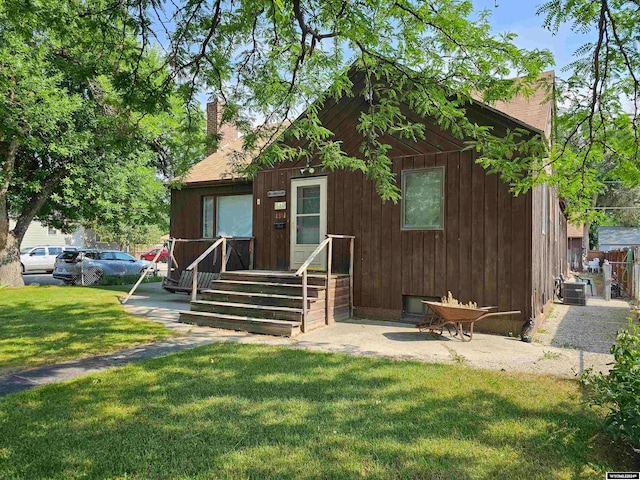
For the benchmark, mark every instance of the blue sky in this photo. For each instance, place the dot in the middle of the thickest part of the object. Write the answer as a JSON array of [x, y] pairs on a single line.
[[519, 17]]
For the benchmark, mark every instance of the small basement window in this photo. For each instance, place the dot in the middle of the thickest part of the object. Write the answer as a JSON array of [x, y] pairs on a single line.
[[423, 199], [413, 306]]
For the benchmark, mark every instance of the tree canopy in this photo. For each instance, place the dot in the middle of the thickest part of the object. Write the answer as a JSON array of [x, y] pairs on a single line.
[[98, 95], [82, 139], [271, 58]]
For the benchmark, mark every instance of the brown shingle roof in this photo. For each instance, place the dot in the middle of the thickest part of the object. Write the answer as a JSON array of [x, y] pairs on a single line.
[[219, 165]]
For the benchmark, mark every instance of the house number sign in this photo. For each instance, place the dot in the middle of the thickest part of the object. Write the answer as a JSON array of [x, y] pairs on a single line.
[[276, 193]]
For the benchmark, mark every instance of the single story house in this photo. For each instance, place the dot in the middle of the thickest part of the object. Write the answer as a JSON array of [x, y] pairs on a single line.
[[456, 229]]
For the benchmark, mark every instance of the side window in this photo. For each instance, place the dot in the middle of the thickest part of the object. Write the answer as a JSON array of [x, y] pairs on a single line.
[[107, 256], [55, 251], [423, 199], [38, 252], [207, 217], [123, 256], [545, 207]]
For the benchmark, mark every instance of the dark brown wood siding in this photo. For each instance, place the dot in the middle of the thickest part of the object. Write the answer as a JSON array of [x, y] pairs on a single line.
[[482, 255], [548, 247], [186, 223]]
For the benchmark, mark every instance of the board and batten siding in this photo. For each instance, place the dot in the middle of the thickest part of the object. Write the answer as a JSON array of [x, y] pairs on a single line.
[[483, 254], [549, 250]]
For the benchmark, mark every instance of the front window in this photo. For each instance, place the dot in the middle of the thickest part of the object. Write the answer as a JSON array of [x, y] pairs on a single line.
[[234, 216], [123, 256], [423, 199], [39, 252], [229, 215]]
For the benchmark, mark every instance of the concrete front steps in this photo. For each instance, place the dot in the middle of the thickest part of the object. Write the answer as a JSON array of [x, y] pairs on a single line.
[[268, 302]]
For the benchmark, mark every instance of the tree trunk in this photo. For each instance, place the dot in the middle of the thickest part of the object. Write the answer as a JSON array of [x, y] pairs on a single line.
[[10, 269]]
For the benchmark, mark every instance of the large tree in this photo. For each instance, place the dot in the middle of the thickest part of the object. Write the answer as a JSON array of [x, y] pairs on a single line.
[[273, 57], [270, 59], [81, 107]]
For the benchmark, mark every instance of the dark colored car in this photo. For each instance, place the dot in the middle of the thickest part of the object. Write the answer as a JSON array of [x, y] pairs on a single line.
[[149, 256], [87, 267]]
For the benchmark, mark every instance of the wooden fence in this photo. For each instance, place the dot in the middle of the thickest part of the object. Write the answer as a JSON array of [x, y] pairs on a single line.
[[624, 263]]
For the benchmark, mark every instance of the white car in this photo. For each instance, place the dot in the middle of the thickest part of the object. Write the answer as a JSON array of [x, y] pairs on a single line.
[[40, 257]]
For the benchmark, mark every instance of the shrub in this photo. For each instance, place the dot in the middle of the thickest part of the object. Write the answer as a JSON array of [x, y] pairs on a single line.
[[619, 391]]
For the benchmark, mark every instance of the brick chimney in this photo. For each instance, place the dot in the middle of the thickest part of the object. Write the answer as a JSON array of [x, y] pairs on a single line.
[[227, 131]]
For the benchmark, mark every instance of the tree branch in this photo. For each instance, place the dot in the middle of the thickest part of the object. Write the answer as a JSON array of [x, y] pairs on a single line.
[[36, 203]]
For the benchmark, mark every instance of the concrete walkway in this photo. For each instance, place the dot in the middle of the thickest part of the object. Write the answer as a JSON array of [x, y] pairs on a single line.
[[587, 331], [571, 340]]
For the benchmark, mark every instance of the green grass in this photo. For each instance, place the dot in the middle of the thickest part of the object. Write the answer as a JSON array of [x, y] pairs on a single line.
[[48, 324], [247, 411]]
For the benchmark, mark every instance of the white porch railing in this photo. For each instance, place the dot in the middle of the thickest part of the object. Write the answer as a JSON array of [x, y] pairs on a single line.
[[302, 271]]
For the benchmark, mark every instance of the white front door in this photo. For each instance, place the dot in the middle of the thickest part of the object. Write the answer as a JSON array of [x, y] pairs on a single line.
[[308, 220]]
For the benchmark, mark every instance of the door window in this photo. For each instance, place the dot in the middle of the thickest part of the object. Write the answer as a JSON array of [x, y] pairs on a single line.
[[38, 252], [308, 215], [123, 256]]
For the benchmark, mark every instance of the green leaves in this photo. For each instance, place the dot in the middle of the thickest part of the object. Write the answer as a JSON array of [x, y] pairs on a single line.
[[98, 119], [619, 391]]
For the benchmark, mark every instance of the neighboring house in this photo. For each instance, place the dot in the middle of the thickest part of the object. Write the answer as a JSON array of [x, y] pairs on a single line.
[[615, 238], [456, 228], [576, 249], [39, 234]]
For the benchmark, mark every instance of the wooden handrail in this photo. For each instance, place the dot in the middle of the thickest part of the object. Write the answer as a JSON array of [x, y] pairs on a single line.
[[223, 260], [302, 271], [313, 256], [206, 253], [331, 235]]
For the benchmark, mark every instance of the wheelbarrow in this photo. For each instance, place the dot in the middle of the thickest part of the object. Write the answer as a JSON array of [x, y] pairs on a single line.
[[456, 317]]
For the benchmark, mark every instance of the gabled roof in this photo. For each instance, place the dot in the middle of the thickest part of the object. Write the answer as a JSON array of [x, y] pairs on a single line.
[[217, 166], [535, 112]]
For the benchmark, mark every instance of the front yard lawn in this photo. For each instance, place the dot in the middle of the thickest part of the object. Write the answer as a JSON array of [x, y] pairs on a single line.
[[248, 411], [48, 324]]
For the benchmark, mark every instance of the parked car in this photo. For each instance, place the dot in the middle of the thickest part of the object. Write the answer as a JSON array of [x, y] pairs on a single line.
[[164, 256], [41, 257], [87, 267]]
